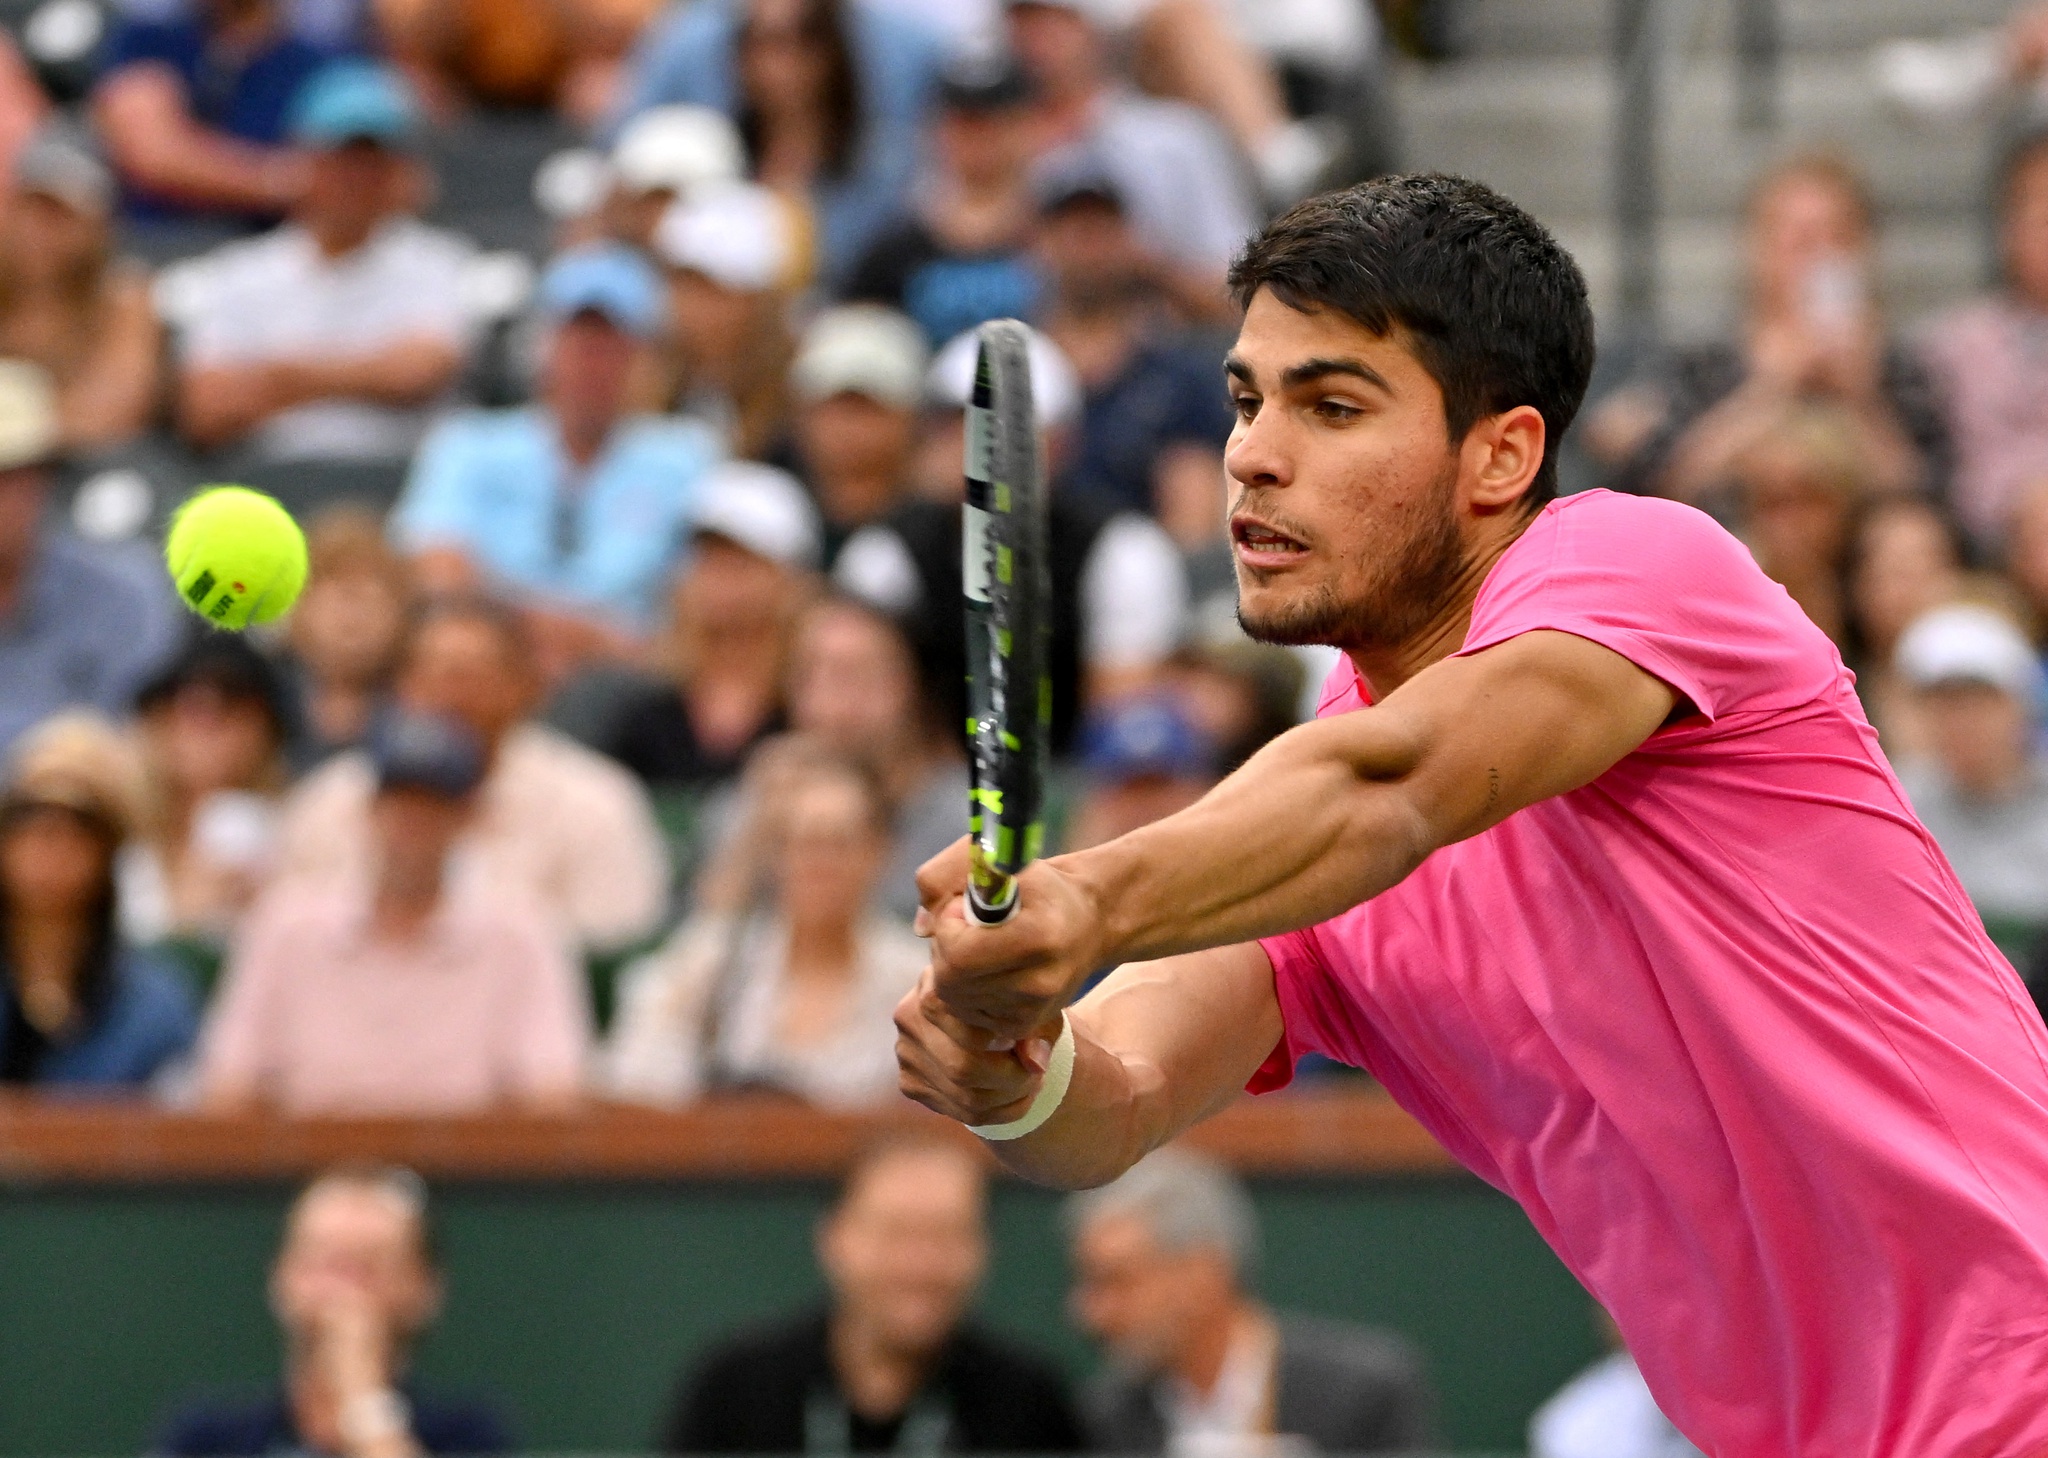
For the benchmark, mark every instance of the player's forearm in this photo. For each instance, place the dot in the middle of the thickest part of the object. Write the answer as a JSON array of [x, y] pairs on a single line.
[[1112, 1117], [1312, 825]]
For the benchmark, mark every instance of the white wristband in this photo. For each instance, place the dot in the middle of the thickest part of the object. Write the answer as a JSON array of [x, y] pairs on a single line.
[[1052, 1091]]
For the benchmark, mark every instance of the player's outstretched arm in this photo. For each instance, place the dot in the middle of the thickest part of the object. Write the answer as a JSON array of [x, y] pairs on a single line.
[[1324, 817], [1159, 1046]]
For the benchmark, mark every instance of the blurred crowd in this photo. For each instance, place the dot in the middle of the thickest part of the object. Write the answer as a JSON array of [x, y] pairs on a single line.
[[622, 701]]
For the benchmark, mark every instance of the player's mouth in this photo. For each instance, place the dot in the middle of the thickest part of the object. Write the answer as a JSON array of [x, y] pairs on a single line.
[[1263, 547]]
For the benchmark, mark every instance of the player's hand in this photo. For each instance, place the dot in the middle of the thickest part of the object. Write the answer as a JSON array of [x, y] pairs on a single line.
[[958, 1070], [1013, 979]]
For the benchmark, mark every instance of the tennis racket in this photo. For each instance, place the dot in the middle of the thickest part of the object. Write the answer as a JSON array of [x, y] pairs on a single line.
[[1008, 604]]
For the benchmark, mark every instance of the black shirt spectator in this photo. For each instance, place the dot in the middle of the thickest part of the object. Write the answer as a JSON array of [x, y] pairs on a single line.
[[772, 1391]]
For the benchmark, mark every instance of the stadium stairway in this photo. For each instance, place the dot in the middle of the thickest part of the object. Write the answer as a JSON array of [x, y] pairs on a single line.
[[1528, 107]]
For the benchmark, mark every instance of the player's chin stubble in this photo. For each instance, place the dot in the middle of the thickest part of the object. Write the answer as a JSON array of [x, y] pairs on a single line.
[[1404, 585]]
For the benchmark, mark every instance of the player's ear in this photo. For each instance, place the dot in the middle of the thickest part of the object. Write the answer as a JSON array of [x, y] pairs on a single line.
[[1503, 454]]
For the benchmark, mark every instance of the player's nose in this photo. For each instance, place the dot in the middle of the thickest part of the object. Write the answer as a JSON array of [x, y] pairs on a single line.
[[1256, 454]]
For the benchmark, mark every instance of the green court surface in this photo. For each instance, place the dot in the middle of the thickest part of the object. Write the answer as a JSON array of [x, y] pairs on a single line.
[[577, 1303]]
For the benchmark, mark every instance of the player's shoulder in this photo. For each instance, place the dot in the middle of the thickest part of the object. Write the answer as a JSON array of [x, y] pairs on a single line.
[[1620, 538]]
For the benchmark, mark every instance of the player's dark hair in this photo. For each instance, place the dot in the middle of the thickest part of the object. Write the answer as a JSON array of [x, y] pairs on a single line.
[[1492, 307]]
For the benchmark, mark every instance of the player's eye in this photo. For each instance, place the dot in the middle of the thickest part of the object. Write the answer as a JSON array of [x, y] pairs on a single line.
[[1337, 411], [1246, 406]]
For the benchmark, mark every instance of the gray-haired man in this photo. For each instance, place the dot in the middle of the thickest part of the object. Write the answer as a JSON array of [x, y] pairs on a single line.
[[1162, 1261]]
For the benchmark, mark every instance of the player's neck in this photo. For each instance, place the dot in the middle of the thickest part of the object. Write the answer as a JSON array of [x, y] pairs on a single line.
[[1385, 667]]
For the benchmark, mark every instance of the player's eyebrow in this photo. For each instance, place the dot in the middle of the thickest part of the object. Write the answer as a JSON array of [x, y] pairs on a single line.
[[1310, 370]]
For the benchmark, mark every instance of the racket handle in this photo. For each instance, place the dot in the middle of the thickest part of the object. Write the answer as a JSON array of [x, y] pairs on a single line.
[[996, 912]]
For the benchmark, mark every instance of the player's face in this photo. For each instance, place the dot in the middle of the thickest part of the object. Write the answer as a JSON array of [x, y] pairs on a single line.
[[1344, 515]]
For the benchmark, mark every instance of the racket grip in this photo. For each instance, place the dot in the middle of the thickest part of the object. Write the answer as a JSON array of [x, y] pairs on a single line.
[[992, 913]]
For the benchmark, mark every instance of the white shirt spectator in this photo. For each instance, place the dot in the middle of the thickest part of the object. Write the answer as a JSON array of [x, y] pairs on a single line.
[[1606, 1412], [277, 297]]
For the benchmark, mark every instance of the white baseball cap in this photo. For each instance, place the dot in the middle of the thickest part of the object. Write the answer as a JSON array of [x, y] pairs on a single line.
[[677, 148], [1965, 643], [739, 235], [759, 508], [861, 349], [1055, 387]]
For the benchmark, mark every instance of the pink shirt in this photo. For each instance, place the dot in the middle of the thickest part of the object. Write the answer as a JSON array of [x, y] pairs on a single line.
[[1725, 1025], [320, 1017]]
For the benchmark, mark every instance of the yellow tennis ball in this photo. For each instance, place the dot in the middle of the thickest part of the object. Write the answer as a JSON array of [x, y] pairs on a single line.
[[237, 556]]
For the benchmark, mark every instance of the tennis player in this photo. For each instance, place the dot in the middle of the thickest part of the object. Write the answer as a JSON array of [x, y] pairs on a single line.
[[1591, 858]]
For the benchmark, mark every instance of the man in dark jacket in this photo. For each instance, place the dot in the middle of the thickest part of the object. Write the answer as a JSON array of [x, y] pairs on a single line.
[[891, 1365], [1200, 1366]]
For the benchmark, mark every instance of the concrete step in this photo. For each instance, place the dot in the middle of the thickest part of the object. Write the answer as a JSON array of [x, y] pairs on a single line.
[[1581, 27]]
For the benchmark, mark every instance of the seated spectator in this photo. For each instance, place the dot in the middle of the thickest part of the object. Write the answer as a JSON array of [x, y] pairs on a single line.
[[1993, 378], [733, 609], [1142, 759], [663, 156], [1154, 414], [1177, 174], [68, 304], [963, 255], [332, 336], [192, 108], [1238, 695], [555, 825], [1798, 487], [80, 1008], [1161, 1258], [574, 502], [78, 628], [342, 637], [1812, 331], [1606, 1411], [563, 55], [735, 258], [795, 996], [1118, 588], [213, 732], [859, 382], [829, 96], [892, 1363], [1906, 557], [1982, 791], [407, 989], [356, 1284]]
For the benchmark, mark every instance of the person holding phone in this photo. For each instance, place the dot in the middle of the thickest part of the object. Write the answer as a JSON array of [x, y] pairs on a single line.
[[1812, 331]]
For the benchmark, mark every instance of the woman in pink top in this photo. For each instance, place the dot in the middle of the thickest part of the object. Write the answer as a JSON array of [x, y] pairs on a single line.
[[1591, 858]]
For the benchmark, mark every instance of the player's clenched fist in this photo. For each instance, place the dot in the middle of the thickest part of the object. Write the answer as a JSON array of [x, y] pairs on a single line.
[[1014, 978], [961, 1071]]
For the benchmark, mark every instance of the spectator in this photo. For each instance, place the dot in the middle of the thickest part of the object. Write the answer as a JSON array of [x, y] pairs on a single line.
[[1799, 484], [858, 381], [1161, 1257], [796, 995], [559, 54], [1982, 791], [1119, 594], [343, 633], [663, 156], [1984, 356], [213, 730], [1812, 332], [553, 825], [356, 1284], [1178, 176], [405, 990], [574, 502], [333, 335], [1238, 695], [892, 1364], [735, 257], [79, 1008], [193, 108], [963, 254], [1142, 759], [1906, 557], [77, 627], [829, 96], [726, 651], [1606, 1412], [1155, 414], [68, 304]]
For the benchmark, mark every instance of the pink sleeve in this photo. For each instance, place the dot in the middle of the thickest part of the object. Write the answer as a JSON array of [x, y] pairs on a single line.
[[1668, 589], [547, 1015], [1299, 984]]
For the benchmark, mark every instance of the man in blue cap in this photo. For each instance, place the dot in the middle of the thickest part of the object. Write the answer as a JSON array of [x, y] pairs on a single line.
[[576, 504], [331, 336]]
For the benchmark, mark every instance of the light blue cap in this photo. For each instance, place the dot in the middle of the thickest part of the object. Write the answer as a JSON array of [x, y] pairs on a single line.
[[604, 278], [353, 101]]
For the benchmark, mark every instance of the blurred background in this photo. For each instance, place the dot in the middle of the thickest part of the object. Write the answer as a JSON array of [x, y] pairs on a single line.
[[406, 1041]]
